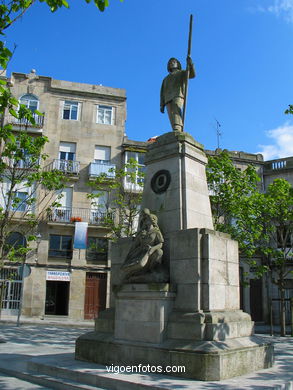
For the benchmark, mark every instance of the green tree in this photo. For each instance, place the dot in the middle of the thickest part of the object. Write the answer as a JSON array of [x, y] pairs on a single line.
[[125, 194], [262, 223], [227, 184]]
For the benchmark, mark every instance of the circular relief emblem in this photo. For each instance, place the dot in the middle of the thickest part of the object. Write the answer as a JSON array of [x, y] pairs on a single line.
[[160, 181]]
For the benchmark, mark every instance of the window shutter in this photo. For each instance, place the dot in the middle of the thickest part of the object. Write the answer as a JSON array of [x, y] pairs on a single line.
[[102, 153]]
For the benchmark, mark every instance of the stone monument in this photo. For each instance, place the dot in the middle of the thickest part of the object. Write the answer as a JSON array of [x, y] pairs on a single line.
[[175, 287]]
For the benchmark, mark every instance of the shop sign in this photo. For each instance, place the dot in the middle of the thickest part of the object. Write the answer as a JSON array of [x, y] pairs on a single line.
[[58, 275]]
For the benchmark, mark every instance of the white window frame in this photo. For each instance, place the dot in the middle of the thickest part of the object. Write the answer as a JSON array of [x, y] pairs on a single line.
[[105, 108], [23, 188], [71, 103], [101, 150], [33, 99], [23, 206], [67, 147], [127, 157]]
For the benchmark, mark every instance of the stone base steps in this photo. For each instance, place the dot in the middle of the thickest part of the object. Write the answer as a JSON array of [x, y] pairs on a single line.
[[49, 382], [63, 372], [84, 375]]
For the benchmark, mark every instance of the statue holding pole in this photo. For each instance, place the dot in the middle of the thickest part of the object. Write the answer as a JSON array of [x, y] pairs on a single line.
[[174, 87]]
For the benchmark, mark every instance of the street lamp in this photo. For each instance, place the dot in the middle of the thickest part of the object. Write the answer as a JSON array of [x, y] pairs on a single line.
[[38, 241]]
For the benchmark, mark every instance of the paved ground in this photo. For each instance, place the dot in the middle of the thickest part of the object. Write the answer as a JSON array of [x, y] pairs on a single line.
[[27, 341], [35, 340]]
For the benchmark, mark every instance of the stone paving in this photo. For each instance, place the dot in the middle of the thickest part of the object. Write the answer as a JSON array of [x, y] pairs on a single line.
[[42, 341]]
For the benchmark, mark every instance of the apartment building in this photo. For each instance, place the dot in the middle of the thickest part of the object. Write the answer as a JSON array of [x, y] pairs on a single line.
[[85, 125]]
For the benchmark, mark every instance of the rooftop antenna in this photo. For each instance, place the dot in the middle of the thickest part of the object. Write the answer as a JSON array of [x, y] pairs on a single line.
[[219, 133]]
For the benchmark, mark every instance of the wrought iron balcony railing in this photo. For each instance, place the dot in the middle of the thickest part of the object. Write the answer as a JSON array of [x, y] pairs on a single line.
[[66, 166], [74, 214], [24, 122]]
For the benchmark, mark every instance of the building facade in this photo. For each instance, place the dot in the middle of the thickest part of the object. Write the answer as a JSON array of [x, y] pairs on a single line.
[[85, 126]]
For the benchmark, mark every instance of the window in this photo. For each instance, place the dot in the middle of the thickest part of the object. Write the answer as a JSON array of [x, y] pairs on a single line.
[[60, 246], [67, 151], [26, 161], [30, 101], [63, 212], [105, 115], [100, 201], [102, 154], [66, 162], [19, 202], [16, 241], [70, 110], [136, 172], [99, 207], [97, 249]]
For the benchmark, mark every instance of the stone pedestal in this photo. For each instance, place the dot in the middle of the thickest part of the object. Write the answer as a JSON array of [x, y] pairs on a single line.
[[178, 159], [194, 319], [142, 312]]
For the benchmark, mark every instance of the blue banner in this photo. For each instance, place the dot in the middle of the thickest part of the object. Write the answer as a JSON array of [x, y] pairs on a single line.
[[80, 235]]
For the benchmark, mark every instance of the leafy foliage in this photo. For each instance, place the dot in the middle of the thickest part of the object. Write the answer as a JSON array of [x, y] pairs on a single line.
[[227, 184], [249, 215], [261, 222]]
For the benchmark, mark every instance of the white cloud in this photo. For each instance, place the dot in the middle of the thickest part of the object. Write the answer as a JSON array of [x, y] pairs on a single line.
[[279, 8], [282, 143]]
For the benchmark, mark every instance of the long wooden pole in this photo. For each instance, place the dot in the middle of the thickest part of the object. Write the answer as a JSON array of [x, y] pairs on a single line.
[[187, 70]]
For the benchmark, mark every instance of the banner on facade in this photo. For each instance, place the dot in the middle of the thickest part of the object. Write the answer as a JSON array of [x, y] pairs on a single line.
[[80, 235], [58, 275]]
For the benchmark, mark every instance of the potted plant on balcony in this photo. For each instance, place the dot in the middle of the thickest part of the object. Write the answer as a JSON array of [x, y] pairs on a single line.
[[75, 219]]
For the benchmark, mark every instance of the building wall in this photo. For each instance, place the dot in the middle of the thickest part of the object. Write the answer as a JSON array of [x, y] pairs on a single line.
[[86, 133]]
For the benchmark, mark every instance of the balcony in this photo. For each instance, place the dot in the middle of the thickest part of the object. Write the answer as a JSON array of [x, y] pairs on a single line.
[[74, 214], [19, 124], [96, 169], [278, 164], [68, 167]]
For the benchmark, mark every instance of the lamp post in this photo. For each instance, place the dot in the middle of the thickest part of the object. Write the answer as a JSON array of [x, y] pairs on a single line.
[[38, 241]]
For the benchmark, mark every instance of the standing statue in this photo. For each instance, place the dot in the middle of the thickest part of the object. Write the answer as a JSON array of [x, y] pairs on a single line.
[[175, 85], [146, 251], [173, 91]]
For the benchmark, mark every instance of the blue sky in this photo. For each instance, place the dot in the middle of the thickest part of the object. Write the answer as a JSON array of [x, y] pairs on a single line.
[[242, 51]]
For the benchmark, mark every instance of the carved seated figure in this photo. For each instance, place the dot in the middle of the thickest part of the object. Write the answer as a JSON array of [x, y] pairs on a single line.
[[146, 251]]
